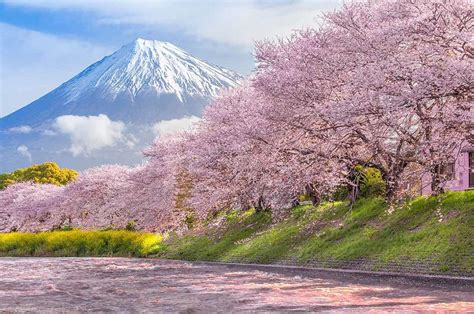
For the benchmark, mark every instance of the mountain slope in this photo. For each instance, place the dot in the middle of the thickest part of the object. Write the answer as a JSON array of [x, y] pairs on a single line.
[[111, 107], [144, 81]]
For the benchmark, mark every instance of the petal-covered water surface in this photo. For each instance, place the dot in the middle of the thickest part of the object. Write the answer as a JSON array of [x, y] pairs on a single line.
[[151, 285]]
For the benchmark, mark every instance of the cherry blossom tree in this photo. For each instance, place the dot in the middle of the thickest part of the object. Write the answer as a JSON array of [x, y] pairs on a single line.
[[386, 84], [27, 206], [413, 77], [238, 157], [109, 196], [156, 185], [96, 199], [391, 80]]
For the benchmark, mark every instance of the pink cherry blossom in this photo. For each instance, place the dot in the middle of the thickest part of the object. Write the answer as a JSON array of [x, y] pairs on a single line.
[[387, 84]]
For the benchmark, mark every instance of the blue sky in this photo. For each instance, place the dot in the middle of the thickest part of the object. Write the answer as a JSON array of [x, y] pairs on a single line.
[[44, 43]]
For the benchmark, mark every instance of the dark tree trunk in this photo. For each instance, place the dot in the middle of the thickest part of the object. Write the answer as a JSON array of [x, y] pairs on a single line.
[[313, 194], [260, 205]]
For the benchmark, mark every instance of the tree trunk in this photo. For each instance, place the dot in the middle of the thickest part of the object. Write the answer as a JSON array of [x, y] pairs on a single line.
[[392, 188], [393, 181], [313, 194], [353, 193], [260, 205], [436, 187], [353, 186]]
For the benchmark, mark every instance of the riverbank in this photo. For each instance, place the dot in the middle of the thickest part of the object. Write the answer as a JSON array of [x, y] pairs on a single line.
[[423, 236], [430, 236]]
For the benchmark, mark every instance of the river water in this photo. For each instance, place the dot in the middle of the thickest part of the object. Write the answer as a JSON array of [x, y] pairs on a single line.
[[152, 285]]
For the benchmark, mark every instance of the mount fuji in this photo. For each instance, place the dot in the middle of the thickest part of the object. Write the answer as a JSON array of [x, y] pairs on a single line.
[[125, 95]]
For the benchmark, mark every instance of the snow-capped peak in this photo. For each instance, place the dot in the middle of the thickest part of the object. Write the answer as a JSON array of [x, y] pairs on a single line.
[[150, 65], [142, 83]]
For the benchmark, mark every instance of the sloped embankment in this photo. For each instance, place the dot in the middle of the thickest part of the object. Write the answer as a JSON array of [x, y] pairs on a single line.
[[426, 235]]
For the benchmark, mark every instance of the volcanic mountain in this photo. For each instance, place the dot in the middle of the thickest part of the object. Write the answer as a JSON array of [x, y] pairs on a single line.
[[140, 84], [144, 81]]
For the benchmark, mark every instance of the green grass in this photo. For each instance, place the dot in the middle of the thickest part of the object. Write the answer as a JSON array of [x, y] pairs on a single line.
[[80, 243], [439, 229], [213, 246]]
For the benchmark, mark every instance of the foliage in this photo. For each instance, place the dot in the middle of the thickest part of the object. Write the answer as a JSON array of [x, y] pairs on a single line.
[[386, 84], [371, 183], [46, 173], [80, 243], [304, 197], [183, 193], [104, 197], [131, 226]]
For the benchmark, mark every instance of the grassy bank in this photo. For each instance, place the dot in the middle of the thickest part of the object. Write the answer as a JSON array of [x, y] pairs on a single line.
[[440, 230], [80, 243]]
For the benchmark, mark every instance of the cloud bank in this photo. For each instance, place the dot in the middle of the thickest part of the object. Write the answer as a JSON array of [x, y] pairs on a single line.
[[90, 133], [237, 23], [170, 127]]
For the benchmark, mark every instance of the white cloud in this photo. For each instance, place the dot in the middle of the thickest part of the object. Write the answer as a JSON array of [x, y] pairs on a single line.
[[33, 63], [90, 133], [25, 129], [232, 22], [48, 133], [23, 150], [170, 127]]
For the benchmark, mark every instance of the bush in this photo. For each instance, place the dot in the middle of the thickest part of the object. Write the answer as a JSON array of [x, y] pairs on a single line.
[[131, 226], [80, 243], [341, 194], [371, 183], [304, 197], [49, 172]]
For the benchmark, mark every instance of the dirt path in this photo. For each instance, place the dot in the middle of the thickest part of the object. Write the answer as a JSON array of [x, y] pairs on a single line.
[[148, 285]]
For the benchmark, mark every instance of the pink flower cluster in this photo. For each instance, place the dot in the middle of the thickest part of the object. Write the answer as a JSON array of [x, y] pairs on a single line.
[[388, 84]]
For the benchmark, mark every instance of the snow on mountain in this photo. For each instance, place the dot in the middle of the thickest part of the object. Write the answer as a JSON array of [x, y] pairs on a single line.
[[139, 85], [151, 64], [144, 81]]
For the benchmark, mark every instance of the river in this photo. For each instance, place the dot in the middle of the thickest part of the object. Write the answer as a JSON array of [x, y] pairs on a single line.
[[153, 285]]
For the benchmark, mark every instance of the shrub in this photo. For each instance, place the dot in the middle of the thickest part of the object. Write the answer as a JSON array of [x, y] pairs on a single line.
[[48, 172], [80, 243], [341, 193], [304, 197], [131, 226], [371, 183]]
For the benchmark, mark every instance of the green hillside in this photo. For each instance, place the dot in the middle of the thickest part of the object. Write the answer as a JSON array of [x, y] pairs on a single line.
[[440, 230], [433, 231]]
